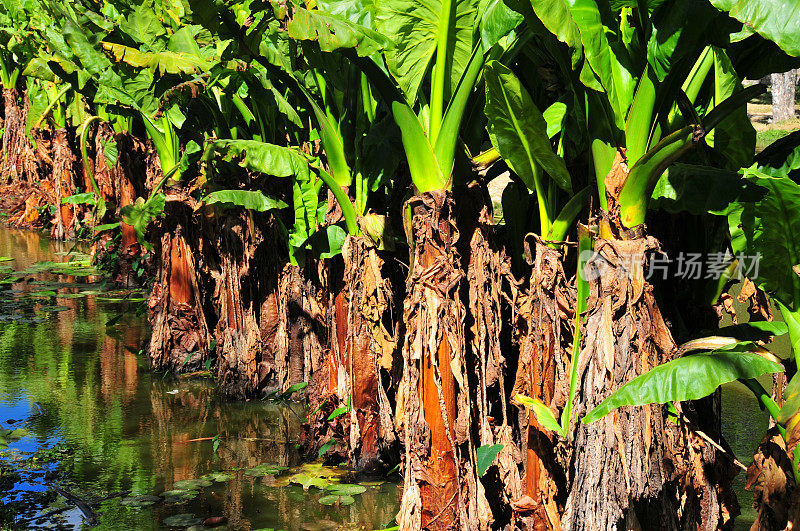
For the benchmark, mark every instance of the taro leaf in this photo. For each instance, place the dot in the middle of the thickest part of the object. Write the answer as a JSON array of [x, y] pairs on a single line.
[[79, 199], [292, 389], [415, 26], [110, 151], [106, 226], [182, 520], [325, 447], [543, 413], [777, 21], [688, 378], [554, 116], [696, 189], [249, 199], [603, 70], [782, 157], [518, 130], [269, 159], [770, 227], [143, 26], [734, 137], [754, 330], [498, 20], [328, 243], [140, 501], [335, 499], [164, 62], [333, 32], [556, 17], [141, 213], [486, 456]]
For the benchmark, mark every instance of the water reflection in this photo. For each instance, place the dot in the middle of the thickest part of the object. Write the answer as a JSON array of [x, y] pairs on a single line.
[[102, 424]]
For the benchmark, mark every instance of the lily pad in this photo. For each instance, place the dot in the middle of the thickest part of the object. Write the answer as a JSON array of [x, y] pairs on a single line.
[[346, 489], [179, 496], [55, 308], [191, 484], [140, 501], [372, 483], [333, 499], [182, 520], [219, 477]]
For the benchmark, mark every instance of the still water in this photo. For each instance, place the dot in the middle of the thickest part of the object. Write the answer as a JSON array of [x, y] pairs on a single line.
[[92, 422]]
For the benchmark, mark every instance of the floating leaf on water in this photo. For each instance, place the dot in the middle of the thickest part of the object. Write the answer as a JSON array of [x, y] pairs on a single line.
[[47, 293], [54, 308], [372, 483], [182, 520], [346, 489], [219, 477], [70, 295], [191, 484], [178, 495], [140, 501], [17, 434], [6, 259], [333, 499]]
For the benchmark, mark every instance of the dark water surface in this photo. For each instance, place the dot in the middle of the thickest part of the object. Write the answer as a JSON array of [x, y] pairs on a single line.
[[92, 422]]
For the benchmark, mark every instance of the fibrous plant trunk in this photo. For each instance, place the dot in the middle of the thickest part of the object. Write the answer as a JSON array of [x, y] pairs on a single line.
[[489, 278], [770, 477], [248, 303], [19, 161], [441, 486], [181, 337], [636, 468], [300, 332], [237, 293], [63, 185], [543, 374], [364, 348]]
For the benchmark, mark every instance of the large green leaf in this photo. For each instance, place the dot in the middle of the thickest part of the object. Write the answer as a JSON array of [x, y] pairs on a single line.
[[734, 137], [143, 26], [164, 61], [518, 130], [557, 17], [333, 32], [770, 227], [414, 26], [269, 159], [687, 378], [696, 189], [249, 199], [603, 59], [777, 21], [141, 213]]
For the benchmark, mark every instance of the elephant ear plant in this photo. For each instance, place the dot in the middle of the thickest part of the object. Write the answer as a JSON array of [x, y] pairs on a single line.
[[642, 75], [433, 68], [763, 231]]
